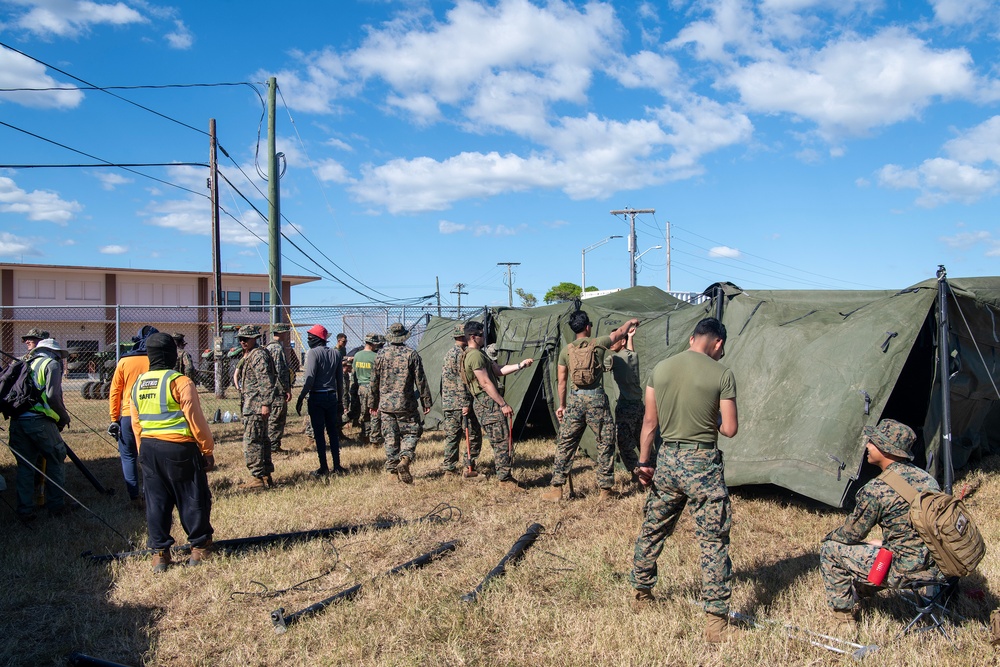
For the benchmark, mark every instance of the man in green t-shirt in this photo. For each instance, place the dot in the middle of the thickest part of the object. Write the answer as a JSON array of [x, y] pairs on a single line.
[[364, 362], [490, 408], [691, 399], [629, 408], [587, 406]]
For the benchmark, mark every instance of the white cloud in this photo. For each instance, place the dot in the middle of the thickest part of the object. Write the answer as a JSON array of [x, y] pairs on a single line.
[[962, 12], [855, 84], [110, 179], [325, 79], [15, 246], [941, 180], [337, 143], [332, 171], [113, 250], [16, 71], [37, 205], [701, 125], [70, 18], [192, 216], [448, 227], [724, 251], [965, 240], [980, 144], [181, 38]]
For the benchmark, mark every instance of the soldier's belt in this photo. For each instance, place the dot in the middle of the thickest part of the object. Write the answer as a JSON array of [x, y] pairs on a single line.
[[678, 444], [597, 391]]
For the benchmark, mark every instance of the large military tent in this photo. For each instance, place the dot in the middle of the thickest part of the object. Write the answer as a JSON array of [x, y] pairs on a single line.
[[812, 368]]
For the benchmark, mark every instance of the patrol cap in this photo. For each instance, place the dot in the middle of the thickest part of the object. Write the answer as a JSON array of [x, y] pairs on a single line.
[[248, 331], [51, 344], [37, 334], [458, 331], [280, 328], [319, 331], [473, 328], [892, 438], [397, 333]]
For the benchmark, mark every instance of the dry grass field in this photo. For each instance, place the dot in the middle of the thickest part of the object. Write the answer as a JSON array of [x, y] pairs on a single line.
[[567, 602]]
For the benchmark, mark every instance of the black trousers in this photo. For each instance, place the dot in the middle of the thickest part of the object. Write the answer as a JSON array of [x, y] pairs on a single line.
[[173, 475], [325, 419]]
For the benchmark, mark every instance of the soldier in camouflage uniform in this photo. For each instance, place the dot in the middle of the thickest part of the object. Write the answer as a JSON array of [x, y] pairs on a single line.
[[456, 404], [258, 386], [629, 409], [398, 371], [846, 559], [279, 409], [31, 339], [587, 406], [691, 399], [364, 364], [493, 412], [185, 364]]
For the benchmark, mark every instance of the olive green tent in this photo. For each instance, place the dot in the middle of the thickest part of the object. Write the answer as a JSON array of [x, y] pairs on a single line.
[[812, 369]]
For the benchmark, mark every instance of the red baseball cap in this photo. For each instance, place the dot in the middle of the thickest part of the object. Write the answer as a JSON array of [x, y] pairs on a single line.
[[319, 331]]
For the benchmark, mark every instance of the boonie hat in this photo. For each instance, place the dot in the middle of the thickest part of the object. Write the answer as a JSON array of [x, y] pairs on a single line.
[[319, 331], [37, 334], [458, 331], [397, 333], [492, 352], [248, 331], [372, 338], [280, 328], [892, 437], [51, 344]]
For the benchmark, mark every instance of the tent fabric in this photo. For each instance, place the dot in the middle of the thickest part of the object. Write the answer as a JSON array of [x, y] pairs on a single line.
[[812, 369]]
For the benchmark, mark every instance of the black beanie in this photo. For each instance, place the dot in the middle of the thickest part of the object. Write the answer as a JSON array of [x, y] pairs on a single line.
[[162, 351]]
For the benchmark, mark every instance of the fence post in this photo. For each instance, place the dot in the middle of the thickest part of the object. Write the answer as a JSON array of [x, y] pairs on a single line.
[[118, 332]]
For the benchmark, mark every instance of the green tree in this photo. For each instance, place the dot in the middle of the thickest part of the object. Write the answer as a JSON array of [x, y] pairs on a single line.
[[528, 300], [562, 292]]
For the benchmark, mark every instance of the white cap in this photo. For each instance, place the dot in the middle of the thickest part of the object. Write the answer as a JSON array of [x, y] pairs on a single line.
[[51, 344]]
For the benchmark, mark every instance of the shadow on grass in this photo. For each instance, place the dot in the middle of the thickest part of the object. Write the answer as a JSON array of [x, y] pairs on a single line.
[[767, 581]]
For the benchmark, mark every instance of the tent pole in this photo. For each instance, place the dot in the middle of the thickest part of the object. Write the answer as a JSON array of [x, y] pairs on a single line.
[[720, 294], [944, 355]]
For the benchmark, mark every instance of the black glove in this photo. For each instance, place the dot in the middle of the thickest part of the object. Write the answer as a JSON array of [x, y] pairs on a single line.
[[298, 407], [115, 431], [209, 463]]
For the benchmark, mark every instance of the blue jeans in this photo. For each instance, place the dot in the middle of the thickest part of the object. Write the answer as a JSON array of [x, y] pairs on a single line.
[[325, 419], [129, 454]]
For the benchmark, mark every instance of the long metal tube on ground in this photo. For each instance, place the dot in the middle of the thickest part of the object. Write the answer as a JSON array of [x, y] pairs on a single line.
[[86, 473], [82, 660], [515, 554], [281, 622]]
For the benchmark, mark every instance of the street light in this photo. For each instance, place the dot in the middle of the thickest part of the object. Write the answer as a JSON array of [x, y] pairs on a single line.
[[583, 261], [636, 260]]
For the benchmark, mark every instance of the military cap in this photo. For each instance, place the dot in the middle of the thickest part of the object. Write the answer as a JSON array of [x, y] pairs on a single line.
[[372, 338], [892, 438], [37, 334], [248, 331], [397, 333], [280, 328], [492, 352], [458, 331], [473, 328], [178, 338]]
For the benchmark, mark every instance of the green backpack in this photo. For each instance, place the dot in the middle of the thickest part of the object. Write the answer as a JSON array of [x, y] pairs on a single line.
[[584, 366]]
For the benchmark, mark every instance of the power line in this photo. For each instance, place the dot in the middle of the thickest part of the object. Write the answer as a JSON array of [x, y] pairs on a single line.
[[107, 164], [105, 88]]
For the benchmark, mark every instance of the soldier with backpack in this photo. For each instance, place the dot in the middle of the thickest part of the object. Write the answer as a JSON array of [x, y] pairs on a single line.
[[846, 559], [581, 371]]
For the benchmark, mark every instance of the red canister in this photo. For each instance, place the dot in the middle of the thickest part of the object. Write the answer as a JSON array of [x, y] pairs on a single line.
[[881, 567]]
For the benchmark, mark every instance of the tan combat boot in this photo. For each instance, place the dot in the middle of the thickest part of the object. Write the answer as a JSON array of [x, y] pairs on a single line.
[[255, 484], [606, 494], [511, 485], [718, 629], [554, 494], [844, 623], [403, 470], [200, 554], [161, 561]]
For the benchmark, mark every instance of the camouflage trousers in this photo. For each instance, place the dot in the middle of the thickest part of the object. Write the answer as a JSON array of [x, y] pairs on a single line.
[[628, 424], [584, 410], [454, 439], [682, 477], [400, 431], [276, 422], [843, 566], [371, 425], [497, 429], [256, 446]]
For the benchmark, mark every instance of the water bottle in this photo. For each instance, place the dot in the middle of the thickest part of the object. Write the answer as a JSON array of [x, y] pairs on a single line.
[[881, 567]]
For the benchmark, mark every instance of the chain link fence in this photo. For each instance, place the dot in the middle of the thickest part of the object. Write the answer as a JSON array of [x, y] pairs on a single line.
[[96, 336]]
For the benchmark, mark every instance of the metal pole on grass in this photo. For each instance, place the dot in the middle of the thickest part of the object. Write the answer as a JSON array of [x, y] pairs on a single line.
[[944, 356]]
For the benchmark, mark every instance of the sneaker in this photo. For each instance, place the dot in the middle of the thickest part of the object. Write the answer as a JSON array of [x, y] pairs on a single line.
[[200, 554], [554, 494], [403, 470], [161, 561]]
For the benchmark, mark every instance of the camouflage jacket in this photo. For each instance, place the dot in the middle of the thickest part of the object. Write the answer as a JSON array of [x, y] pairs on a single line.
[[281, 370], [878, 504], [256, 378], [185, 365], [398, 372], [454, 394]]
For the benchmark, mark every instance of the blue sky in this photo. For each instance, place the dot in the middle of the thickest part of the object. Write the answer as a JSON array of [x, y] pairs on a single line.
[[789, 144]]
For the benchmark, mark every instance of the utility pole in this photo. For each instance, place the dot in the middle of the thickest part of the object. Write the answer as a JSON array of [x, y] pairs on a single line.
[[631, 213], [213, 187], [459, 292], [274, 213], [668, 256], [510, 282], [437, 290]]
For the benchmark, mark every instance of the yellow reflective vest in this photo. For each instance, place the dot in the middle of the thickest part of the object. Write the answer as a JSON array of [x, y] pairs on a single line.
[[159, 412], [38, 366]]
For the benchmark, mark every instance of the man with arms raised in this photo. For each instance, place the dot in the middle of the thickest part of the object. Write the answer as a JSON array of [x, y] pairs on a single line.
[[691, 399]]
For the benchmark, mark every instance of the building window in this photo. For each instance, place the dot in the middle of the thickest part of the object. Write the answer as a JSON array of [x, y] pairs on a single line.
[[258, 300], [233, 299]]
